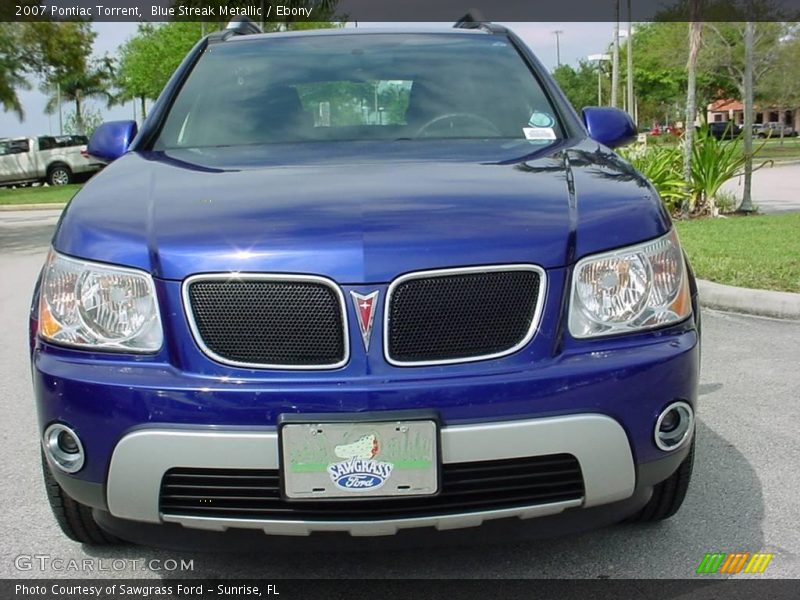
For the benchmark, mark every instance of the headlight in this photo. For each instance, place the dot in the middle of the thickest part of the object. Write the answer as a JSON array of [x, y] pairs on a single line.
[[635, 288], [98, 306]]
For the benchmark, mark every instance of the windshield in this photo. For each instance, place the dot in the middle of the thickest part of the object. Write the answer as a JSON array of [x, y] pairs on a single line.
[[358, 87]]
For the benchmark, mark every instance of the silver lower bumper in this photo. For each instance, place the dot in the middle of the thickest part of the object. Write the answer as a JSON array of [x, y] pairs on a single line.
[[141, 459]]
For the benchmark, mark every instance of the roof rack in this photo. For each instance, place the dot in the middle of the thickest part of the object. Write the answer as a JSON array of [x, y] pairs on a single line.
[[241, 25], [474, 19]]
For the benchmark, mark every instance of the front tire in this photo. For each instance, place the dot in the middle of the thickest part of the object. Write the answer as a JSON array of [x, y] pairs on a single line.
[[59, 175], [74, 519], [668, 495]]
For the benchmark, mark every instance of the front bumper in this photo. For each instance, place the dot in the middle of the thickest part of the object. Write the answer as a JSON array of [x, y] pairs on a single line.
[[142, 458], [599, 443], [598, 402]]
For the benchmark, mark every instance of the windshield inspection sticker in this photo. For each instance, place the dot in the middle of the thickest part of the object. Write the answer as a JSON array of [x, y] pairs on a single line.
[[539, 133], [540, 119]]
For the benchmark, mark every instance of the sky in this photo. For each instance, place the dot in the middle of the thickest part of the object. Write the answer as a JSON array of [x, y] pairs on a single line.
[[578, 40]]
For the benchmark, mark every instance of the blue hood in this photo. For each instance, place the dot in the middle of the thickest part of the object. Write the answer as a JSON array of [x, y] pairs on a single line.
[[361, 212]]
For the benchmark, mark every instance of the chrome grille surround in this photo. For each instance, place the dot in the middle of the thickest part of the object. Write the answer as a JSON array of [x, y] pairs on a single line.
[[534, 325], [259, 277]]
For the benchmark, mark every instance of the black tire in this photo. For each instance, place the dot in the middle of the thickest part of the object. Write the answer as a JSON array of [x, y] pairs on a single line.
[[59, 175], [74, 518], [668, 495]]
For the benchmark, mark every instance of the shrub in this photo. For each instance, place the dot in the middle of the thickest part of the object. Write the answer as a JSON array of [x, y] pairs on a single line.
[[713, 163], [662, 166]]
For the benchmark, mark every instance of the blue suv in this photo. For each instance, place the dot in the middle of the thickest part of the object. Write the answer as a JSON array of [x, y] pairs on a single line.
[[363, 281]]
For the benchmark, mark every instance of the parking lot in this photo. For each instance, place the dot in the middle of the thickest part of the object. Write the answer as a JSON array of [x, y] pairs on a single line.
[[744, 496]]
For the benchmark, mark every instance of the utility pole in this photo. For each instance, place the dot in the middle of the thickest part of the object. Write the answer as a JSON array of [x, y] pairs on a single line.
[[615, 57], [558, 33], [629, 56], [747, 200]]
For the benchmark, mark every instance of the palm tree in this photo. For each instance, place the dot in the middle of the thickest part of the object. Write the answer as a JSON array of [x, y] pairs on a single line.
[[92, 81], [11, 71], [695, 32]]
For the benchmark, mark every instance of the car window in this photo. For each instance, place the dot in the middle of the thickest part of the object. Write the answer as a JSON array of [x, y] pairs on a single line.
[[18, 147], [348, 104], [47, 143], [358, 87], [67, 141]]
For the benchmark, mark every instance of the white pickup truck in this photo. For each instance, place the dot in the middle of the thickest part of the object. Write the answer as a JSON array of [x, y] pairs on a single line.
[[54, 159]]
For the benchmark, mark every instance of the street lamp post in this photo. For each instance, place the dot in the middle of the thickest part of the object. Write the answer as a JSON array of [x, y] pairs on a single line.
[[558, 33], [599, 59]]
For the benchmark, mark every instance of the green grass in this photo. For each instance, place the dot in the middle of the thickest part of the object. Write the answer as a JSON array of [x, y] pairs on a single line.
[[753, 252], [772, 149], [38, 195]]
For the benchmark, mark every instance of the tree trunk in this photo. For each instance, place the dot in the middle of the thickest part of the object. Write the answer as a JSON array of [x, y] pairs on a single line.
[[144, 109], [695, 29], [629, 59], [615, 57], [747, 201], [78, 113]]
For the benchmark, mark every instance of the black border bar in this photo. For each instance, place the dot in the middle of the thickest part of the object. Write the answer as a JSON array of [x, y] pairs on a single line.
[[707, 588], [361, 11]]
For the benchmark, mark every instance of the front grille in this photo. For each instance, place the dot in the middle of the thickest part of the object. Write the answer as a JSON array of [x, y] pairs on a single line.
[[466, 487], [263, 322], [453, 316]]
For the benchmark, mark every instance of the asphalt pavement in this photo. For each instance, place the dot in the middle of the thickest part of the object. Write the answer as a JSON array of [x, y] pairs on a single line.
[[743, 498], [774, 188]]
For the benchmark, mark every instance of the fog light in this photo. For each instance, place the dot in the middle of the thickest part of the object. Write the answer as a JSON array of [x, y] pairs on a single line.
[[63, 448], [674, 426], [670, 421]]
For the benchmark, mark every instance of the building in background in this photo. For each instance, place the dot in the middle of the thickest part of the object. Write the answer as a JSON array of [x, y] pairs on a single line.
[[724, 110]]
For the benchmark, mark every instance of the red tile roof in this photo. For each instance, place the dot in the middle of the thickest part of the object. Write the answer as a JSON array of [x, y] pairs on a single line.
[[725, 104]]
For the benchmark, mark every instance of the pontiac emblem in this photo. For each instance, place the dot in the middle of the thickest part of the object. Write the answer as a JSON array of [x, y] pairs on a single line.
[[365, 311]]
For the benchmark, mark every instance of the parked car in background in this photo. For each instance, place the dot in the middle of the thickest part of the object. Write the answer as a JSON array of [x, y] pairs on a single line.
[[773, 129], [724, 130], [666, 130], [56, 160]]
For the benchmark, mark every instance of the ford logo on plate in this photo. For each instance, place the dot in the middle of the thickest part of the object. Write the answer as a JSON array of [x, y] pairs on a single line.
[[360, 475]]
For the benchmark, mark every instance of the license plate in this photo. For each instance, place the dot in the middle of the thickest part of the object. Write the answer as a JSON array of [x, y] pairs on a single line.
[[359, 460]]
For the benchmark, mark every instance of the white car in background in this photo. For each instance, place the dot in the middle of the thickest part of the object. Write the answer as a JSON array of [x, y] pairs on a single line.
[[773, 129], [56, 160]]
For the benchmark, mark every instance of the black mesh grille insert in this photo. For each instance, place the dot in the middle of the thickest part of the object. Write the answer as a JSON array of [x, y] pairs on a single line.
[[486, 485], [459, 316], [266, 322]]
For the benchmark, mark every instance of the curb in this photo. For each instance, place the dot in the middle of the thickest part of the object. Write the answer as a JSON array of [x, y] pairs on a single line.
[[41, 206], [765, 303]]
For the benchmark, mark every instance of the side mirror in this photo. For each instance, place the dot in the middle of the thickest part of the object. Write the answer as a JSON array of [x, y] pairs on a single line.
[[611, 127], [111, 140]]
